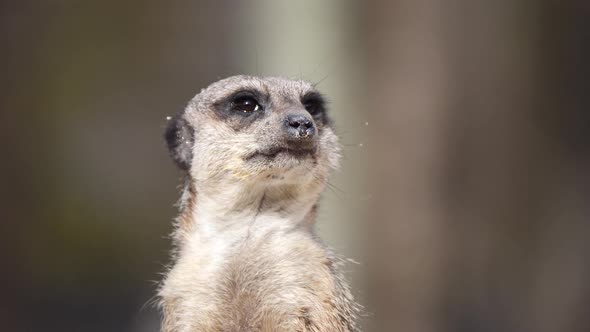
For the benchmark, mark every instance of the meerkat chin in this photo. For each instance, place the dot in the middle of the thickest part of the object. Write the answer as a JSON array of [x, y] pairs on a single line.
[[257, 153]]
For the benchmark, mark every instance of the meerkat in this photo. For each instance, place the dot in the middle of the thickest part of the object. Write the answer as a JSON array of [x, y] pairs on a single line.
[[256, 153]]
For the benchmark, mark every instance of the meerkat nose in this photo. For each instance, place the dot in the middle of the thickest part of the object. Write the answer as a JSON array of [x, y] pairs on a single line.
[[299, 126]]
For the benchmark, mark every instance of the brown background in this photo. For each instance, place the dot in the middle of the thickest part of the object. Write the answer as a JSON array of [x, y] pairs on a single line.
[[464, 192]]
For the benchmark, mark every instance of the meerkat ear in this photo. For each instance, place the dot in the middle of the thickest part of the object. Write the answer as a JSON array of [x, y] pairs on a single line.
[[179, 137]]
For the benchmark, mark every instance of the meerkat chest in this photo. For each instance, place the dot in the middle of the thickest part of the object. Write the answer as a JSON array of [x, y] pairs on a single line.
[[263, 253], [274, 274], [246, 275]]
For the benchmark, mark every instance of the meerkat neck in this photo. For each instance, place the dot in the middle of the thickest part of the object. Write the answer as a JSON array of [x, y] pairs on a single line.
[[249, 210]]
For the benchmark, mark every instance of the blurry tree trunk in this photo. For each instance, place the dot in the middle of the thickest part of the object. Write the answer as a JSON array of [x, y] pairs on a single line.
[[406, 77], [481, 209]]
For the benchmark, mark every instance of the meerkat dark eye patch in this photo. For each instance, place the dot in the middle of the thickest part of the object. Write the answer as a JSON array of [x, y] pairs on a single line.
[[315, 104], [241, 108], [179, 137], [245, 104]]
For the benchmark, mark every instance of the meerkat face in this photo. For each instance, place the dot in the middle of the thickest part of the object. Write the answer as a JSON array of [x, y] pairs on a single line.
[[250, 128]]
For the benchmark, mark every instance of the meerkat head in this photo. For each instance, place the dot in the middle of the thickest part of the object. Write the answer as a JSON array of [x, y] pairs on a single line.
[[257, 131]]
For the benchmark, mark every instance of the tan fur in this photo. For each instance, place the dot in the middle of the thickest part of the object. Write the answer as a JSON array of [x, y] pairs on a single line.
[[246, 256]]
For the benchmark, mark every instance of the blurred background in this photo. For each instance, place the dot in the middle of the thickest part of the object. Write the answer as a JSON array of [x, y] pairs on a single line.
[[464, 192]]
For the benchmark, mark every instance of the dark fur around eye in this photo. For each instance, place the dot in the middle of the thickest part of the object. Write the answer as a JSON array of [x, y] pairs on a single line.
[[245, 104], [315, 104]]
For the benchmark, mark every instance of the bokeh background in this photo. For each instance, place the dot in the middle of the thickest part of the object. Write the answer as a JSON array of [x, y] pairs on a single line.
[[464, 192]]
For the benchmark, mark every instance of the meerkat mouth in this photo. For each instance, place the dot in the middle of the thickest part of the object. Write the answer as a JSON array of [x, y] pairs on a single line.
[[276, 151]]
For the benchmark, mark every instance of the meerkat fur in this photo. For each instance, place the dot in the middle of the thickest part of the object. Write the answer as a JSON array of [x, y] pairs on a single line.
[[256, 155]]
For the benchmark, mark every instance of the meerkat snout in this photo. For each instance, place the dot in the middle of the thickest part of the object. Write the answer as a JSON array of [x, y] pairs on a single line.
[[257, 153], [299, 126]]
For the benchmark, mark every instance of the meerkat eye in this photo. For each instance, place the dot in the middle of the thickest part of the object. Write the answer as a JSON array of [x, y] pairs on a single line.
[[312, 107], [313, 103], [245, 104]]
